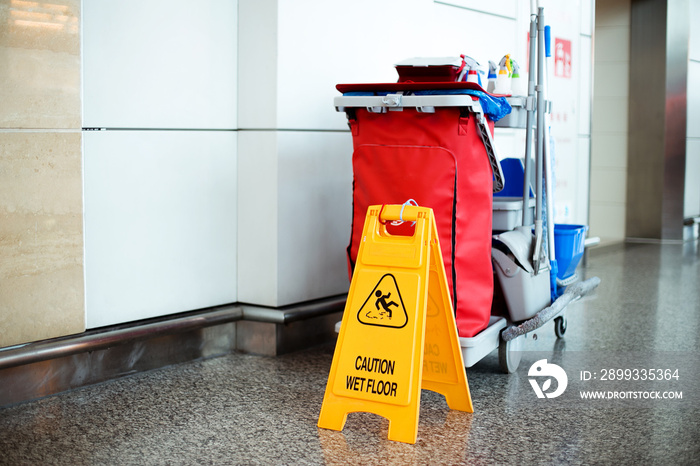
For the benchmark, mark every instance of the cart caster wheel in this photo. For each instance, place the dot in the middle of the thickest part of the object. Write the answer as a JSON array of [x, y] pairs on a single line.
[[560, 327], [509, 355]]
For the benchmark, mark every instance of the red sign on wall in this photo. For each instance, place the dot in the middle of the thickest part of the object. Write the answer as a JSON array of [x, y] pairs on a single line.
[[562, 58]]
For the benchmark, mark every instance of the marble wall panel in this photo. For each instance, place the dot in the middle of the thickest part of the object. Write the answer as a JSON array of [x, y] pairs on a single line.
[[40, 64], [41, 240], [41, 205]]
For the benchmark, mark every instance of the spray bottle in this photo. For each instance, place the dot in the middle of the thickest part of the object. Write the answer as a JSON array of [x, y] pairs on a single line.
[[493, 69], [518, 84], [471, 70], [503, 80]]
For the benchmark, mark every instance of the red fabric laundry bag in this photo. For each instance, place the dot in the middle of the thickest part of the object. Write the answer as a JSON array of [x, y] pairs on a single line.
[[439, 160]]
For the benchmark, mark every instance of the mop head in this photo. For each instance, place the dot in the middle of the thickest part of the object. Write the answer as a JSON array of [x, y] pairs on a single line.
[[572, 293]]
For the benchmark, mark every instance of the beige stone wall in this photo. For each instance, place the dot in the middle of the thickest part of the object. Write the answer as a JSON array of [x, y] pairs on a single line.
[[41, 206], [610, 115]]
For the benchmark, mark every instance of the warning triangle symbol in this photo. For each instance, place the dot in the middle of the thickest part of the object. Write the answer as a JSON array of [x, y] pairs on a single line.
[[384, 306]]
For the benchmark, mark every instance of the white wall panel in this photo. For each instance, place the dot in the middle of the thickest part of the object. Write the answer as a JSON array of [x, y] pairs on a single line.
[[585, 96], [617, 44], [361, 41], [608, 173], [611, 79], [294, 215], [351, 42], [483, 37], [587, 17], [609, 150], [314, 222], [583, 162], [611, 115], [159, 64], [257, 64], [609, 185], [612, 13], [497, 7], [694, 45], [691, 206], [607, 220], [693, 122], [160, 223], [258, 250]]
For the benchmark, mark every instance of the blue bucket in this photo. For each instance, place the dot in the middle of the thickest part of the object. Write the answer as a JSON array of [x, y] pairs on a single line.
[[568, 247]]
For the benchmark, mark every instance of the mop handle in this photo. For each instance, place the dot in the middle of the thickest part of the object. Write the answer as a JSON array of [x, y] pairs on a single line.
[[539, 156], [548, 155], [530, 107]]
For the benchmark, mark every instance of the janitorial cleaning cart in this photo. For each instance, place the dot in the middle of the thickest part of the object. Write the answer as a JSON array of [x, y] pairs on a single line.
[[428, 140]]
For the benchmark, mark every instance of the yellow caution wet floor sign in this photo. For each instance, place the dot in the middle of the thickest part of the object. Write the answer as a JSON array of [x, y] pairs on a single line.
[[398, 332]]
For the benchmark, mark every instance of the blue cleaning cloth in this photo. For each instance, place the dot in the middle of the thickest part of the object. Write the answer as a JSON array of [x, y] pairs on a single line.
[[494, 107]]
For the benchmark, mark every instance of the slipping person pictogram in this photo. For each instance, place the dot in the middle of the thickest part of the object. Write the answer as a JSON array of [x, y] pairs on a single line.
[[384, 305], [381, 300]]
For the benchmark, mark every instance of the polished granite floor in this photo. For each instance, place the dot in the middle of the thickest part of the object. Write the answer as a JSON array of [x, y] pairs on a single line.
[[245, 409]]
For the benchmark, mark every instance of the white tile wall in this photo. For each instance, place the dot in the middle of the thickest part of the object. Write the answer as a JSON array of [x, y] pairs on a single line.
[[160, 223], [609, 120], [608, 185], [694, 44], [585, 86], [580, 215], [609, 150], [498, 7], [258, 248], [159, 64], [355, 41], [160, 203], [309, 68], [691, 206], [612, 13], [480, 36], [295, 204], [617, 43], [587, 17], [610, 114], [607, 221], [612, 78], [693, 121], [314, 222], [257, 64]]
